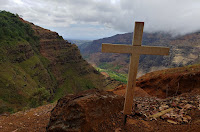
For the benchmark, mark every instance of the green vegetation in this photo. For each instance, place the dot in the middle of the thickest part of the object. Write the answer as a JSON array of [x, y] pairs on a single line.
[[111, 71], [25, 80], [14, 30], [118, 67], [39, 97], [114, 75], [105, 65], [74, 82]]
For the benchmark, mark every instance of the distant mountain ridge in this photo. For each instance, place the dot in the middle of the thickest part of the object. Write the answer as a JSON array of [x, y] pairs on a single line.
[[78, 42], [184, 50]]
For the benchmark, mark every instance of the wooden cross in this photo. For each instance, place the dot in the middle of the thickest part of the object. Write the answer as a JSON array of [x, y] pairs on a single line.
[[135, 50]]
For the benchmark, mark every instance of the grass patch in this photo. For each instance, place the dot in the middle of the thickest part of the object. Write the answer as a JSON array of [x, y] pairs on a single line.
[[114, 75], [105, 65]]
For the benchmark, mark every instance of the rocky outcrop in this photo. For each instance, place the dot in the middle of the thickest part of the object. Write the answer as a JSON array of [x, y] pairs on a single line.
[[20, 53], [84, 111]]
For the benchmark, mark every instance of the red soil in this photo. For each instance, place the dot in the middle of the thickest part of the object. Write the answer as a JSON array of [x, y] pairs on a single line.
[[152, 84]]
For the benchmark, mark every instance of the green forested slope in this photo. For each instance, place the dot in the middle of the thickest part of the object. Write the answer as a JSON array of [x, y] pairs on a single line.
[[37, 66], [20, 86]]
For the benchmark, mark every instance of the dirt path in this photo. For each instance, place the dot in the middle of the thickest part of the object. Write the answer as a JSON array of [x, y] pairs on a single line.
[[33, 120]]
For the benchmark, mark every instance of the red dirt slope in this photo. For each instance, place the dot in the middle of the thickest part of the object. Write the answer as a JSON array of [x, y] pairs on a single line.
[[35, 119], [171, 82]]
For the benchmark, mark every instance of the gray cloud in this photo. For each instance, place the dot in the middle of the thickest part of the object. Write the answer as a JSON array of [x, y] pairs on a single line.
[[174, 16]]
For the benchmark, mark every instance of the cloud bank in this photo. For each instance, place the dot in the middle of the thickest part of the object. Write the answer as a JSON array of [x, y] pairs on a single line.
[[109, 16]]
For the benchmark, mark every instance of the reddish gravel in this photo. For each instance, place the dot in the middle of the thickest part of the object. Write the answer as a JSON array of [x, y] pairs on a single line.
[[35, 119]]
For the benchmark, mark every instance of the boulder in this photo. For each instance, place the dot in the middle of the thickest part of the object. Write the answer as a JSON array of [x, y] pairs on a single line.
[[84, 111]]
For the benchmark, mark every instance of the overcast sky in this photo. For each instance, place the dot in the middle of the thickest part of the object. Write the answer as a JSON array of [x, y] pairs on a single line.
[[93, 19]]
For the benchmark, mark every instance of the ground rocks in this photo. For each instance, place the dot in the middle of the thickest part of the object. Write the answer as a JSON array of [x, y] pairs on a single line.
[[84, 111], [174, 110]]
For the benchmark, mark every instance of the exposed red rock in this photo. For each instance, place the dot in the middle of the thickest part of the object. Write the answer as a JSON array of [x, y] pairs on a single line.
[[171, 82], [85, 111], [121, 90]]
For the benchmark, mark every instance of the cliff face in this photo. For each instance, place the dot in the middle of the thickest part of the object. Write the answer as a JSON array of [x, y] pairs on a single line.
[[71, 71], [37, 66]]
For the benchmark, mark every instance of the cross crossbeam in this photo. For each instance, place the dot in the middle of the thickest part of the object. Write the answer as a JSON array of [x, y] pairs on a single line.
[[135, 50], [118, 48]]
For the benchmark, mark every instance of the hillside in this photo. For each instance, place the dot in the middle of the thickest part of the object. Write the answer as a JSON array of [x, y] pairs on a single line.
[[37, 66], [184, 50], [102, 110]]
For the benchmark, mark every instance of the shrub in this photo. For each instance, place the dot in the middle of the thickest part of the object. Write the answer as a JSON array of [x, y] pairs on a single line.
[[38, 97]]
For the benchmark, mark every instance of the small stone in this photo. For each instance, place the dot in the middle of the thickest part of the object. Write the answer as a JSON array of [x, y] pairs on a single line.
[[181, 112], [15, 130], [185, 119], [177, 99], [178, 106], [165, 116], [139, 106], [188, 117], [184, 101], [145, 116], [188, 106], [174, 115], [172, 122], [179, 119], [152, 118], [173, 104], [181, 105], [118, 130], [191, 102], [163, 107]]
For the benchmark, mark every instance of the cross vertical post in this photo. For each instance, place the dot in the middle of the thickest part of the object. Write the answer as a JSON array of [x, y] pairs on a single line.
[[135, 50], [133, 68]]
